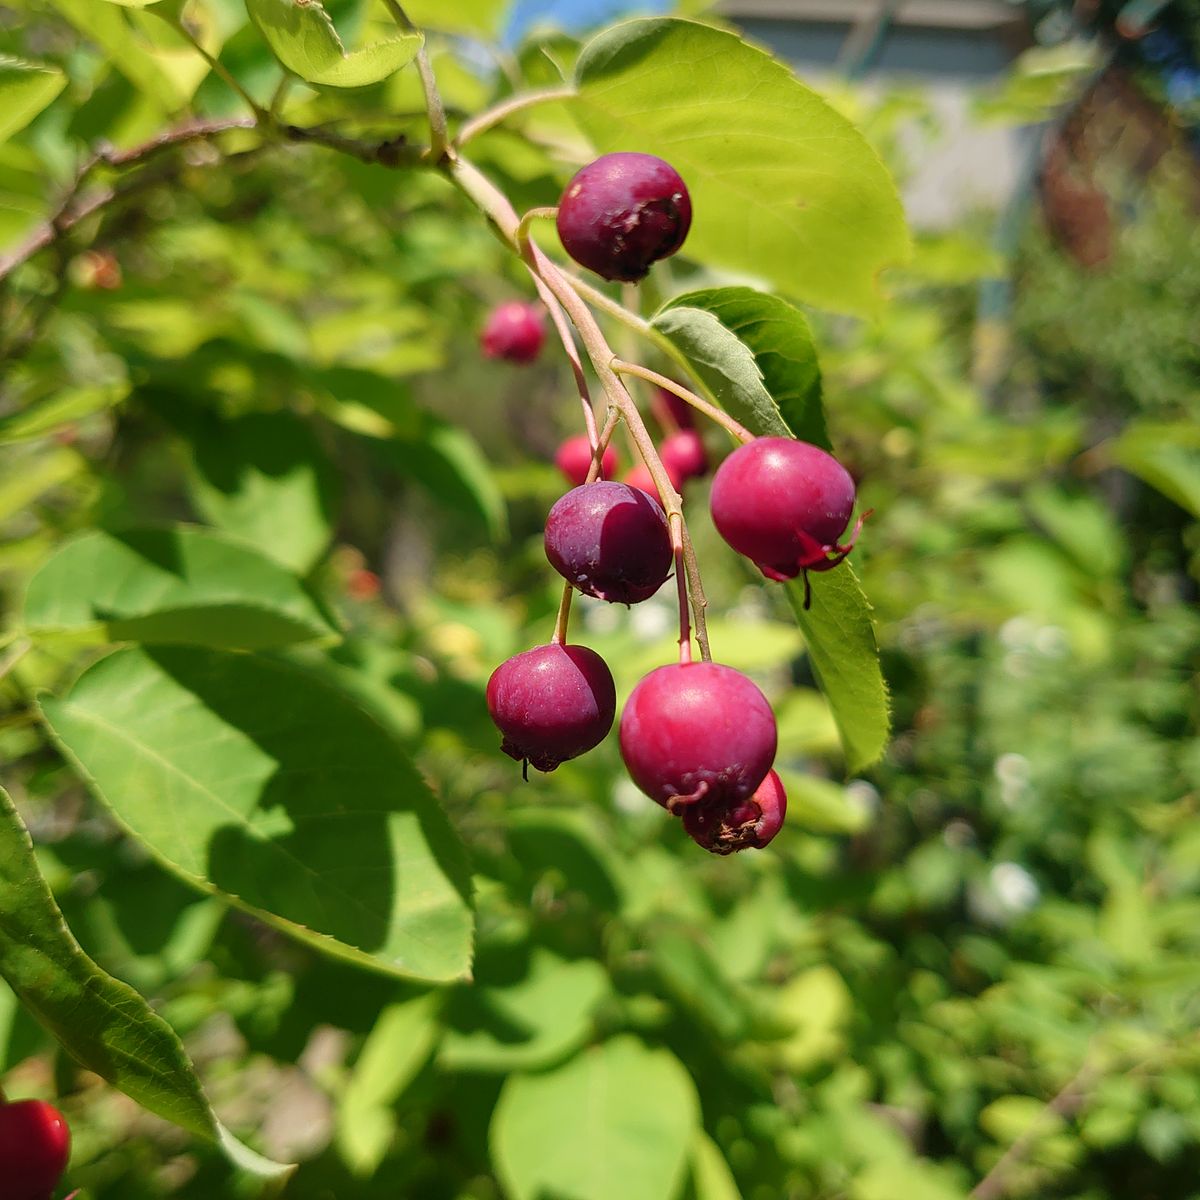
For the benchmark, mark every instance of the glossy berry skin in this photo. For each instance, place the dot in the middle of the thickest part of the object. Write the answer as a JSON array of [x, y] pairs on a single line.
[[622, 213], [783, 504], [610, 541], [746, 825], [34, 1146], [697, 732], [514, 332], [639, 477], [683, 454], [574, 460], [552, 703]]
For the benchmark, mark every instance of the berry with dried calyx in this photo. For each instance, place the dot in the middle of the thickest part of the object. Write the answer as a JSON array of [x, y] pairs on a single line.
[[514, 332], [35, 1144], [697, 732], [610, 541], [744, 825], [683, 454], [784, 504], [551, 704], [623, 212], [574, 460]]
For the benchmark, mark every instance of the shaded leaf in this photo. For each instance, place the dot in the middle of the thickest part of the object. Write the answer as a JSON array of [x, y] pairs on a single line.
[[25, 89]]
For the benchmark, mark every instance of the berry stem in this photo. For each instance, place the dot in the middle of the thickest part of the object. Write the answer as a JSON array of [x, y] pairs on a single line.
[[685, 626], [722, 418], [563, 330], [534, 214], [699, 600], [515, 104], [439, 135], [559, 637]]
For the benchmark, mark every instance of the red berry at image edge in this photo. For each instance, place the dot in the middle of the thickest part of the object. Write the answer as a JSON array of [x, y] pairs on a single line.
[[697, 733], [623, 212], [610, 541], [574, 460], [744, 825], [683, 454], [784, 504], [514, 332], [639, 477], [34, 1146], [551, 704]]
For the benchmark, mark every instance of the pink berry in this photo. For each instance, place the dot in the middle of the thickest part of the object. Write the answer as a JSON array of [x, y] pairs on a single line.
[[623, 212], [514, 332], [34, 1146], [695, 732], [574, 460], [784, 504], [747, 824], [683, 454], [639, 477], [610, 541], [552, 703]]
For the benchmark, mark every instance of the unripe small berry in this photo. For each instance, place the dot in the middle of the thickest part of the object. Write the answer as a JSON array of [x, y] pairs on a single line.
[[747, 824], [683, 454], [574, 460], [552, 703], [623, 212], [35, 1144], [784, 504], [514, 332], [697, 732], [610, 541]]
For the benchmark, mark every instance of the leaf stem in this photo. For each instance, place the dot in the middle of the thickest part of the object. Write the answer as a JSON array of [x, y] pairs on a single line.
[[439, 136], [214, 63], [501, 112], [722, 418]]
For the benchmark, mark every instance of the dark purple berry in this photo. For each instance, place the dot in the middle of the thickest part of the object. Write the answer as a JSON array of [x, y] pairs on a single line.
[[574, 460], [35, 1144], [610, 541], [514, 332], [623, 212], [697, 732], [683, 454], [784, 504], [744, 825], [552, 703]]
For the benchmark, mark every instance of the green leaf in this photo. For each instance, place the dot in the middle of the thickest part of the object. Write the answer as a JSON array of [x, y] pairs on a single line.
[[844, 655], [532, 1023], [302, 36], [71, 404], [617, 1120], [393, 1053], [755, 354], [25, 89], [101, 1022], [177, 585], [252, 779], [711, 1177], [783, 187], [1167, 457], [481, 18], [265, 478], [820, 805]]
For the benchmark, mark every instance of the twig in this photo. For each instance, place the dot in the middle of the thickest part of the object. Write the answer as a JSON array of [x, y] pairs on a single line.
[[514, 104], [719, 415], [439, 135]]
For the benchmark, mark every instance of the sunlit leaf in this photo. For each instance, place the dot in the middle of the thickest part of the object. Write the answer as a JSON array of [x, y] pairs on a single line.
[[25, 89]]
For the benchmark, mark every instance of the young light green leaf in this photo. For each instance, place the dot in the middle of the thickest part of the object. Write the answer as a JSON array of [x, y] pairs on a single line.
[[303, 38], [755, 354], [253, 779], [711, 1177], [100, 1021], [179, 585], [844, 655], [265, 478], [783, 187], [623, 1119], [531, 1023], [25, 89]]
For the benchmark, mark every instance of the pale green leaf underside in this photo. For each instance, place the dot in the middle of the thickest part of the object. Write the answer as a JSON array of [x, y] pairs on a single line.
[[844, 655], [100, 1021], [783, 187], [180, 585], [640, 1115], [252, 779], [767, 374], [304, 39], [25, 89]]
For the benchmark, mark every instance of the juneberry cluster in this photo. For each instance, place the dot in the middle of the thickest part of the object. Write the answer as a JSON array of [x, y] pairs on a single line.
[[699, 738]]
